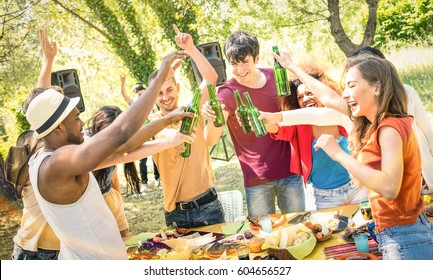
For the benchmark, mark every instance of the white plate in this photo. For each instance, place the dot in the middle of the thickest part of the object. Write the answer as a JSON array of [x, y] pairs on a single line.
[[329, 221]]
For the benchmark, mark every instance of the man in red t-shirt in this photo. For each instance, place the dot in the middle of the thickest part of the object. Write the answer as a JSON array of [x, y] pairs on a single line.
[[265, 162]]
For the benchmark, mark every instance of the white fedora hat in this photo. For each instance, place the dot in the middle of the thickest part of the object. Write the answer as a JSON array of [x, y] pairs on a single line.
[[47, 110]]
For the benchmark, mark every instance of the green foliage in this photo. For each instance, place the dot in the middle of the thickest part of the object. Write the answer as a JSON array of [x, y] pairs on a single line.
[[402, 22], [183, 14], [18, 65], [22, 123], [141, 60]]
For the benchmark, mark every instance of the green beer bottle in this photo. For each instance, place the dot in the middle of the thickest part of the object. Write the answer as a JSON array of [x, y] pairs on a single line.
[[216, 107], [253, 114], [187, 123], [280, 75], [187, 152], [242, 111]]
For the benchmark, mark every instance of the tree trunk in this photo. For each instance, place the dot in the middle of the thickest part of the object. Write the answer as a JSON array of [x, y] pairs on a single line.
[[340, 36]]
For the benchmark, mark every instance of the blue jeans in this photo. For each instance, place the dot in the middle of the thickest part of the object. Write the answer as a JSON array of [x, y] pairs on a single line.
[[346, 194], [409, 242], [42, 254], [204, 215], [289, 192]]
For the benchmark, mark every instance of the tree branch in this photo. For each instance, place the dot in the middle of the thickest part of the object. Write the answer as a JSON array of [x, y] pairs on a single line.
[[91, 25]]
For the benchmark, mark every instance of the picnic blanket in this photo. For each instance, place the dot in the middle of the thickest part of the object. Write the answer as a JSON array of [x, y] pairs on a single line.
[[338, 250]]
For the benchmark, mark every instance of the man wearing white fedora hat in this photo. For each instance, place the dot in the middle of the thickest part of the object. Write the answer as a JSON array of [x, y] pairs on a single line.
[[67, 193]]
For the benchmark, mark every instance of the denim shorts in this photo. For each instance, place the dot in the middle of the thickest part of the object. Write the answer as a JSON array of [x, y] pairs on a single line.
[[41, 254], [204, 215], [409, 242], [289, 192], [346, 194]]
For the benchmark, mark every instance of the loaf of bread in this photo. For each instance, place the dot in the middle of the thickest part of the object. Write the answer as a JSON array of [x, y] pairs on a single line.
[[280, 254]]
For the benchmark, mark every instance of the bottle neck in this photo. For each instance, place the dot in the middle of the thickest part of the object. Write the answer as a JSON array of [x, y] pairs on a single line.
[[211, 92], [238, 99], [196, 98], [249, 101], [275, 50]]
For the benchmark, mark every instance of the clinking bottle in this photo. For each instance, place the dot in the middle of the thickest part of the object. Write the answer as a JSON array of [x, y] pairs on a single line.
[[187, 151], [188, 123], [242, 112], [253, 114], [216, 106], [280, 75]]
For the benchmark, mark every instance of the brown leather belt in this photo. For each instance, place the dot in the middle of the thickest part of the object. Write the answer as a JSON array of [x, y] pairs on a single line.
[[206, 198]]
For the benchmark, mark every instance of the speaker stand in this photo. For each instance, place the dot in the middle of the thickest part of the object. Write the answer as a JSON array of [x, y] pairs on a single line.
[[226, 144]]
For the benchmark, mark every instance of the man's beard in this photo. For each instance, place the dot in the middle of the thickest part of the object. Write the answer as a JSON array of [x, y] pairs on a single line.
[[75, 139]]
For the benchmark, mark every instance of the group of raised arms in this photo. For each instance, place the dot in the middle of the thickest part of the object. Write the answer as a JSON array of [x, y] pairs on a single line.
[[368, 140]]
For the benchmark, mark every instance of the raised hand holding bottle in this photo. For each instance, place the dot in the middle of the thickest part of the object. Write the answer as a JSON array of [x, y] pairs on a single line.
[[216, 106], [253, 114], [242, 112], [280, 74]]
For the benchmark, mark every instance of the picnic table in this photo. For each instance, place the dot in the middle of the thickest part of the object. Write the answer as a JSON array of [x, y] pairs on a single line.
[[224, 228], [336, 244], [333, 247]]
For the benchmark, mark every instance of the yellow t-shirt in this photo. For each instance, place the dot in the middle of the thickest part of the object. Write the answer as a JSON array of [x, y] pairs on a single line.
[[34, 231], [115, 202], [183, 179]]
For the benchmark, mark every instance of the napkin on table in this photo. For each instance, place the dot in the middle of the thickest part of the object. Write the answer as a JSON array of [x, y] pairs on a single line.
[[134, 239]]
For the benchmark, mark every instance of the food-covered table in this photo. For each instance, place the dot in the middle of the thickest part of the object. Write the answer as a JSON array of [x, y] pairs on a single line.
[[334, 246], [318, 252], [223, 230]]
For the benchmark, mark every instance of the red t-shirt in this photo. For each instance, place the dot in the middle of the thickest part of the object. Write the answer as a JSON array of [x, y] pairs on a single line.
[[407, 206], [262, 159]]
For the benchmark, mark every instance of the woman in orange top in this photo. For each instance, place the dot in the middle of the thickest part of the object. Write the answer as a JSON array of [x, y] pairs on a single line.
[[387, 158], [386, 154]]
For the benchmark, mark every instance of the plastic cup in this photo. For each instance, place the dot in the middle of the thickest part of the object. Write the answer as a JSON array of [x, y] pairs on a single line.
[[266, 224], [361, 242], [365, 209], [243, 252]]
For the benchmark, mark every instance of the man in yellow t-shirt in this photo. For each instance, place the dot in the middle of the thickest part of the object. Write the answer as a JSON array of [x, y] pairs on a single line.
[[189, 197]]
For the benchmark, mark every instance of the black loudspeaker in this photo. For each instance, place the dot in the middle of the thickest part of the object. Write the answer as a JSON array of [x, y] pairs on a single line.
[[212, 52], [68, 81]]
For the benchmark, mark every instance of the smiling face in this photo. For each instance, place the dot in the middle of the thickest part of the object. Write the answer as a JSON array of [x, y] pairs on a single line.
[[245, 71], [167, 99], [360, 95], [306, 98]]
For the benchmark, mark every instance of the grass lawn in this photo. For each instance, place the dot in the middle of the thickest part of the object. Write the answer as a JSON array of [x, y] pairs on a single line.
[[146, 213]]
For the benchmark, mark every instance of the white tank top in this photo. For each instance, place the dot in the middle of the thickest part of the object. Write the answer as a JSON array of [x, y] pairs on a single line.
[[86, 228]]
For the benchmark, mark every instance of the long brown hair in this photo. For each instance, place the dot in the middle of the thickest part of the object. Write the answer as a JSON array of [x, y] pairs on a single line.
[[392, 99], [102, 118]]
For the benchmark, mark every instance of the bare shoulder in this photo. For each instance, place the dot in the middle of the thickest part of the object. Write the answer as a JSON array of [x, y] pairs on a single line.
[[57, 185]]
